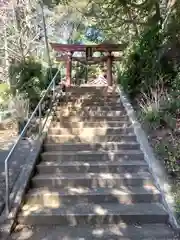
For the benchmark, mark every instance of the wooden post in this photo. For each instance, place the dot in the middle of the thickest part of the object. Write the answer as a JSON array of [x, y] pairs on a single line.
[[109, 69], [68, 69]]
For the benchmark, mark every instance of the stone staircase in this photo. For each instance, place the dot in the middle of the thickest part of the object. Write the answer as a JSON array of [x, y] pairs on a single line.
[[92, 181]]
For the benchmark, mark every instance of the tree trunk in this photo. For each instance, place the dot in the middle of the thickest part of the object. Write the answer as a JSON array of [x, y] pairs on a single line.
[[18, 25]]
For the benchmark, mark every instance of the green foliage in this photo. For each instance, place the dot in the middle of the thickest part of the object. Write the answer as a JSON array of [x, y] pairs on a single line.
[[170, 152], [150, 112], [48, 77], [53, 3], [172, 106], [177, 207], [31, 78], [28, 78], [4, 95], [80, 72], [142, 68], [158, 109], [19, 105]]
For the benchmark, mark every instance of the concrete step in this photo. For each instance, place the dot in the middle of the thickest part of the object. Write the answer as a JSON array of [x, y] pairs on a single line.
[[92, 101], [90, 89], [91, 117], [93, 155], [92, 180], [114, 107], [81, 124], [46, 197], [82, 112], [107, 146], [104, 232], [87, 130], [92, 167], [105, 213], [84, 92], [96, 95], [70, 138], [76, 118], [99, 94], [77, 103]]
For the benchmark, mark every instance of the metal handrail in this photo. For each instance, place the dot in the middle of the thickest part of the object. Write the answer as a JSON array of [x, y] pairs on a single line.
[[39, 110]]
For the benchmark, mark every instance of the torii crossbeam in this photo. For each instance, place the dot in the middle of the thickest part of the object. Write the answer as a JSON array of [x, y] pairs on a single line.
[[70, 49]]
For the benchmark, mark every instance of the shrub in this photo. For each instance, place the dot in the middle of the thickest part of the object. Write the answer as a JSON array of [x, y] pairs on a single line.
[[142, 67], [170, 152], [48, 77], [159, 108], [151, 106], [28, 78], [4, 95], [20, 107]]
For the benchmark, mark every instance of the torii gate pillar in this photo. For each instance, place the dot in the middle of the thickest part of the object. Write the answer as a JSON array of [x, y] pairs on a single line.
[[109, 70], [68, 69]]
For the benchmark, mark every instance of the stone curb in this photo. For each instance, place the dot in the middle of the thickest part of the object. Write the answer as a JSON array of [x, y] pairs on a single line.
[[156, 168]]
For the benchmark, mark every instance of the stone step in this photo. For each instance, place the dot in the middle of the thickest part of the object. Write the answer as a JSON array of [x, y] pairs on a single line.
[[81, 124], [107, 146], [92, 167], [90, 130], [117, 107], [92, 180], [87, 92], [47, 197], [88, 116], [92, 101], [76, 118], [83, 112], [104, 232], [93, 155], [70, 138], [90, 113], [105, 213], [88, 88], [92, 90], [97, 96]]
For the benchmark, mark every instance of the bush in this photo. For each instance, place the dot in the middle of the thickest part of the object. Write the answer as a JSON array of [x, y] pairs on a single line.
[[47, 76], [28, 78], [143, 68], [4, 95], [20, 107], [157, 108], [170, 152]]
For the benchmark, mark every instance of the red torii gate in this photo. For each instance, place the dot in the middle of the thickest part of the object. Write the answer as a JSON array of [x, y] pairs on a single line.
[[69, 49]]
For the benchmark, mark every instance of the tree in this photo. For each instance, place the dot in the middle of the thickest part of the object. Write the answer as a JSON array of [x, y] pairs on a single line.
[[20, 34]]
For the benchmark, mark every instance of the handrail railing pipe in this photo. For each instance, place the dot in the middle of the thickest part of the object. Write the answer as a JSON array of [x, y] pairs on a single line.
[[40, 116], [54, 87], [38, 110]]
